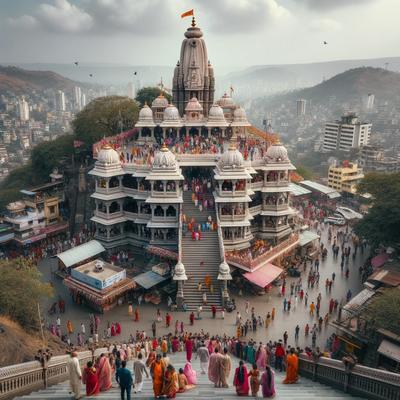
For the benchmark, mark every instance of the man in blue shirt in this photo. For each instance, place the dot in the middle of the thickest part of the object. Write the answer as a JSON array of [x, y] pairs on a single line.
[[124, 378]]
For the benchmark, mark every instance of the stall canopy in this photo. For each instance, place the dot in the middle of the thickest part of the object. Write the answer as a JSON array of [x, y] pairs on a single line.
[[149, 279], [298, 190], [390, 350], [80, 253], [317, 187], [264, 275], [379, 260], [307, 237]]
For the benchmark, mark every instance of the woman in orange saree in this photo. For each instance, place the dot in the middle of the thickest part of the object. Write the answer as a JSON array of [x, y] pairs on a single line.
[[292, 369], [157, 373]]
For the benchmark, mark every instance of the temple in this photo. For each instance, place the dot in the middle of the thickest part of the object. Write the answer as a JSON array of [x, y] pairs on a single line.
[[198, 164]]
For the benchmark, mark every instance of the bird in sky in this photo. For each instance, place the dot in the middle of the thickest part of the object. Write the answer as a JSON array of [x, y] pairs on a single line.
[[91, 75], [76, 63], [135, 73], [325, 42]]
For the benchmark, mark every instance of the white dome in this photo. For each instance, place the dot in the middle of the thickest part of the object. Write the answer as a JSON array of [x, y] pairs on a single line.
[[171, 113], [226, 101], [145, 114], [216, 113], [277, 153], [239, 114], [107, 155], [193, 105], [160, 102], [232, 158], [164, 159]]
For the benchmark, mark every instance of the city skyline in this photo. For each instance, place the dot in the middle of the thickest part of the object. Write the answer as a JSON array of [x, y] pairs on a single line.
[[261, 31]]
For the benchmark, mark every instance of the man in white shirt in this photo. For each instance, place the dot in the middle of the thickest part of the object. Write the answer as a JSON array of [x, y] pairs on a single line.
[[75, 375]]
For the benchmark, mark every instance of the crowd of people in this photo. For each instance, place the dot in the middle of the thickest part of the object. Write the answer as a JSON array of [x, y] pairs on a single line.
[[151, 358]]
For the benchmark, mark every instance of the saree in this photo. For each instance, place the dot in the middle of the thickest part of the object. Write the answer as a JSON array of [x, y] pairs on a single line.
[[292, 362], [261, 359], [183, 383], [190, 374], [157, 373], [254, 375], [189, 350], [241, 381], [90, 379], [175, 345], [268, 383], [104, 374], [171, 384]]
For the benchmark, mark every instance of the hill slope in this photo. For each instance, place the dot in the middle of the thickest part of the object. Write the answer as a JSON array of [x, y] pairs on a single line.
[[345, 87], [19, 81]]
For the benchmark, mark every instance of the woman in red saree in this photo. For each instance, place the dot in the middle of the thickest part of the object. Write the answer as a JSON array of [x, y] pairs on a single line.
[[292, 369], [117, 328], [175, 344], [189, 349], [91, 380], [104, 373], [112, 330], [241, 380]]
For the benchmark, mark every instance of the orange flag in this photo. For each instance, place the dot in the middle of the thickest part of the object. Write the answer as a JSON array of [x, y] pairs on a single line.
[[187, 13]]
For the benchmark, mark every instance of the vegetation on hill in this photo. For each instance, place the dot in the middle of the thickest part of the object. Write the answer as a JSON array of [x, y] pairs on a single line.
[[381, 225], [105, 116], [19, 81], [21, 290], [148, 94]]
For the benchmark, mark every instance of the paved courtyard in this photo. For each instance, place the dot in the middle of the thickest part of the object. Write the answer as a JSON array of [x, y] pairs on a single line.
[[284, 321]]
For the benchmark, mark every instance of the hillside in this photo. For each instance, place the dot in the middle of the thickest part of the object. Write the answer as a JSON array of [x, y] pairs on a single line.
[[19, 81], [348, 86]]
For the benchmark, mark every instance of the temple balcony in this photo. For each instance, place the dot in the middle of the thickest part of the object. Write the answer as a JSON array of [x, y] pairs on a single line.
[[275, 207], [105, 190], [131, 215], [257, 185], [108, 216], [233, 217], [277, 183], [172, 194], [265, 258], [255, 210]]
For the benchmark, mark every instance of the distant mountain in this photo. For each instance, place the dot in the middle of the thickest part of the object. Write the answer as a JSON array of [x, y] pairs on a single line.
[[19, 81], [261, 80], [349, 86]]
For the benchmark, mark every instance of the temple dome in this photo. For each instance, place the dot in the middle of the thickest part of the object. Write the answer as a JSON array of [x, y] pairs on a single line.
[[160, 102], [107, 155], [193, 105], [145, 114], [216, 112], [239, 117], [232, 158], [277, 153], [171, 113], [164, 159], [226, 101]]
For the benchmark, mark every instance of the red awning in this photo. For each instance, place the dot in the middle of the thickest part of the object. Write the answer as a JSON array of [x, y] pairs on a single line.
[[379, 260], [264, 275]]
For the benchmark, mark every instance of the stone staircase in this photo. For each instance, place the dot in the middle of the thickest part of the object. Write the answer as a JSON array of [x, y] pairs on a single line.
[[305, 389], [194, 252]]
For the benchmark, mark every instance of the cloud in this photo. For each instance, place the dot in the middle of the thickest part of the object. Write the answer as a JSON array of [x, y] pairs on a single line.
[[240, 16], [325, 25], [323, 5], [23, 22], [64, 17], [135, 16]]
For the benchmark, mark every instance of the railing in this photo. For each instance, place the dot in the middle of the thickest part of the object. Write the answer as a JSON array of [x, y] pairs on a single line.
[[234, 217], [275, 207], [257, 185], [268, 256], [16, 380], [105, 215], [255, 209], [359, 381], [109, 190], [220, 237]]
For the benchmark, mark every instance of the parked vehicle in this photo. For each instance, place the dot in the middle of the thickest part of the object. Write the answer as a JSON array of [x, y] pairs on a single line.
[[335, 220]]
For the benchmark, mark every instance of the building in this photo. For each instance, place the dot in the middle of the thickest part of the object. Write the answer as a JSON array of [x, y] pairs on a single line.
[[77, 98], [143, 190], [60, 101], [23, 108], [346, 134], [370, 101], [373, 158], [301, 107], [345, 178]]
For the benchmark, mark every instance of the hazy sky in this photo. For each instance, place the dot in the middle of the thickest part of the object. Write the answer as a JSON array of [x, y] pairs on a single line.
[[238, 32]]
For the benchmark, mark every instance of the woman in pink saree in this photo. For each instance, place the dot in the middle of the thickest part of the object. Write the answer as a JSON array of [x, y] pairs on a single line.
[[261, 358], [190, 373], [268, 383], [104, 373], [241, 380], [175, 344]]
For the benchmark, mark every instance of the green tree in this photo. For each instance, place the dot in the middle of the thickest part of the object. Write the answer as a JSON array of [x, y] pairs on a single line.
[[381, 224], [384, 311], [105, 116], [21, 289], [148, 94], [305, 172], [48, 155]]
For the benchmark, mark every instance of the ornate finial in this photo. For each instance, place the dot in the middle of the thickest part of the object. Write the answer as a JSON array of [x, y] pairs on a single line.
[[193, 21], [164, 148], [106, 146], [232, 145]]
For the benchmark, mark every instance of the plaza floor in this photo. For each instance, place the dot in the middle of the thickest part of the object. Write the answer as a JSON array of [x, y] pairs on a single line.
[[284, 321]]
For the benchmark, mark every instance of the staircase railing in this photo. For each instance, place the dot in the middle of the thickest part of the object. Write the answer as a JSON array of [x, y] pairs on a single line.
[[180, 227], [360, 380], [220, 238]]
